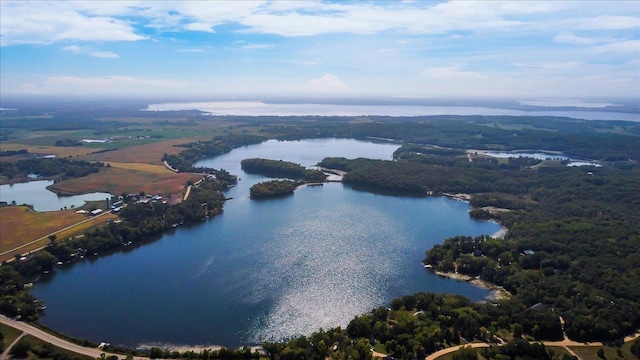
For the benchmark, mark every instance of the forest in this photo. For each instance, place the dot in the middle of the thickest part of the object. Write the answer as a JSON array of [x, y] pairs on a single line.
[[279, 168], [578, 226], [57, 168], [417, 325], [572, 248], [272, 188]]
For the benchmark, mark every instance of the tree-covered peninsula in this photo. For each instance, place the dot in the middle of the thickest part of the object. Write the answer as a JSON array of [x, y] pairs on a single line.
[[572, 242], [280, 168]]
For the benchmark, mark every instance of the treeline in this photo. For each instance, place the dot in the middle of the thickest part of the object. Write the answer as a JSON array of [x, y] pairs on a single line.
[[41, 350], [68, 142], [580, 223], [13, 152], [592, 139], [420, 324], [57, 167], [140, 222], [272, 188], [280, 168], [195, 151], [517, 349], [222, 353]]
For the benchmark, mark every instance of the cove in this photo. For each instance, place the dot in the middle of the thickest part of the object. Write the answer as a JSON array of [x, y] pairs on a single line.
[[263, 270], [36, 194]]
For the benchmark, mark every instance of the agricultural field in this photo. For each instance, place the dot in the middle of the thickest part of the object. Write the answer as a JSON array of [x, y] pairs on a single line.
[[42, 150], [21, 225], [133, 155], [119, 180], [146, 153]]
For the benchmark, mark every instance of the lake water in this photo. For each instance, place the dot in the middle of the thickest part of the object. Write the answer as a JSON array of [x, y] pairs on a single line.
[[264, 270], [542, 156], [35, 193], [259, 108]]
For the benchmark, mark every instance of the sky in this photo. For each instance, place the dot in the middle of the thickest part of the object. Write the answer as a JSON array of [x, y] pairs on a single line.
[[406, 49]]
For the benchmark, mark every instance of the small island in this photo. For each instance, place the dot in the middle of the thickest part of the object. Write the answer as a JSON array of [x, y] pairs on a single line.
[[282, 169], [272, 188]]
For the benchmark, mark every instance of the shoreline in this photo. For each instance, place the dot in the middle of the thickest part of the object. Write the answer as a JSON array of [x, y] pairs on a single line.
[[497, 292], [195, 348]]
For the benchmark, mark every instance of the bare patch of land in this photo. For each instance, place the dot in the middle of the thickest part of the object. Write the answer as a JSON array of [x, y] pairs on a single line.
[[116, 180]]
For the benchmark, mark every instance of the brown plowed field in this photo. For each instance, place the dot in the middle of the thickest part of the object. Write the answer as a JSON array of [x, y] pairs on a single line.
[[116, 181], [147, 153]]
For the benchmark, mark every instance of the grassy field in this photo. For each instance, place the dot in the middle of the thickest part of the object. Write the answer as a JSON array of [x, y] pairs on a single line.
[[10, 334], [116, 180], [148, 153], [60, 151], [148, 168], [55, 351], [21, 225], [610, 352]]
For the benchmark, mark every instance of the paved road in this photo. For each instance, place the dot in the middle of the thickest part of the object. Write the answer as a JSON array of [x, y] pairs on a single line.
[[54, 340]]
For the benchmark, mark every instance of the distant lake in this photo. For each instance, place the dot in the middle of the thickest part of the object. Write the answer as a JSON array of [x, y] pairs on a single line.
[[264, 270], [542, 156], [259, 108], [35, 193]]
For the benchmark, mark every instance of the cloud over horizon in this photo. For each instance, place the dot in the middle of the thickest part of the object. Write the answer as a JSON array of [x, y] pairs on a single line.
[[383, 48]]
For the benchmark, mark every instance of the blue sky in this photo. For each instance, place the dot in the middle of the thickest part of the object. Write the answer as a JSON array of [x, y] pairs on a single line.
[[513, 49]]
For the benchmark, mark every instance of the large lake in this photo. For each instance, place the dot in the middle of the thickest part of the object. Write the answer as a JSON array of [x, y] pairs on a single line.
[[264, 270], [259, 108]]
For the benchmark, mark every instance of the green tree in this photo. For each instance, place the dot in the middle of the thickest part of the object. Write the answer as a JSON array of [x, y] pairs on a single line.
[[465, 353], [21, 348], [517, 330]]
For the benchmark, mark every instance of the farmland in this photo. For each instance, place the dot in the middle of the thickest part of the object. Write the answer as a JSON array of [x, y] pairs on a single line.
[[116, 180], [21, 225], [133, 158]]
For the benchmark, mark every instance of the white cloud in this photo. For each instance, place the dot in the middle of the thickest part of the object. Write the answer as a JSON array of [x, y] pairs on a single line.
[[47, 22], [38, 22], [104, 54], [85, 50], [198, 26], [194, 50], [257, 46], [604, 22], [327, 84], [550, 65], [628, 46], [567, 37], [450, 73], [109, 85]]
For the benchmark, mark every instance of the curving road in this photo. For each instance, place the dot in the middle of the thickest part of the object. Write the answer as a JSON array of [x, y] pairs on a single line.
[[96, 352], [54, 340]]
